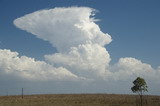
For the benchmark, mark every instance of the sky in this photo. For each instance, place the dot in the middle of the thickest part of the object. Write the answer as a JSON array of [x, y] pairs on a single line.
[[78, 46]]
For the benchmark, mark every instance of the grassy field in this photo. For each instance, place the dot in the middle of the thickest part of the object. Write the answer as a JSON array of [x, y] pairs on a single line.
[[78, 100]]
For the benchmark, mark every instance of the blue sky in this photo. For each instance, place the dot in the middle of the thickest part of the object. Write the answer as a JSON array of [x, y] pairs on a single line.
[[133, 26]]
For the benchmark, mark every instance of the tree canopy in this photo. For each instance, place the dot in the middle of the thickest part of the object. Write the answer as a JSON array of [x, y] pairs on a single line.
[[140, 86]]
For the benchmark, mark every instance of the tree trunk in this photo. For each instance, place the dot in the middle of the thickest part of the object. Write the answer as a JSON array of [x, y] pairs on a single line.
[[141, 99]]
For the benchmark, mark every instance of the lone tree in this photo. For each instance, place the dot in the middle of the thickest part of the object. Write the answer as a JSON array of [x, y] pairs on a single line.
[[140, 86]]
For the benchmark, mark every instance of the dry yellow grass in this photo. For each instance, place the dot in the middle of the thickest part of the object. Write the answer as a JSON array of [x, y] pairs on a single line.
[[78, 100]]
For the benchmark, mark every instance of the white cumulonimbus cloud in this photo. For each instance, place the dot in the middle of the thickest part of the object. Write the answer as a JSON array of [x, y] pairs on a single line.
[[80, 44], [76, 36], [64, 27]]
